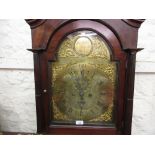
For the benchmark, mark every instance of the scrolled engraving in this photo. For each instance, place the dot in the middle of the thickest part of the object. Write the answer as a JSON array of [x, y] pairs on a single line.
[[83, 79]]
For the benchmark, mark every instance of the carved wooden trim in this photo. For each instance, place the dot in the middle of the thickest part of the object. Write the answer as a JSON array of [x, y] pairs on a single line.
[[35, 22], [134, 22], [129, 50], [130, 77], [37, 50], [115, 25]]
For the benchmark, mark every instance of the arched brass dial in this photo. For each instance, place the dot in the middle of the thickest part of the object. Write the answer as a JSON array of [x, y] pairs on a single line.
[[83, 79]]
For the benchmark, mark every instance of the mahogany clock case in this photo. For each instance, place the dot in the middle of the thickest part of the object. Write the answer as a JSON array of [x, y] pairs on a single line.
[[84, 74]]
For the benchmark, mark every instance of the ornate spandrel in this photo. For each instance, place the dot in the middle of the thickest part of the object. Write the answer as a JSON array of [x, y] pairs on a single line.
[[83, 80]]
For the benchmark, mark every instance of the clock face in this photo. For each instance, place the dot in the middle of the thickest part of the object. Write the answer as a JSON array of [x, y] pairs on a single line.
[[83, 80], [84, 92]]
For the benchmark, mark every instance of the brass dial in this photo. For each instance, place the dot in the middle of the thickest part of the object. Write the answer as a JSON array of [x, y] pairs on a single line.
[[83, 92], [83, 79]]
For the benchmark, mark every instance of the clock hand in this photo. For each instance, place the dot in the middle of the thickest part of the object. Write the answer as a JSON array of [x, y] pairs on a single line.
[[82, 102]]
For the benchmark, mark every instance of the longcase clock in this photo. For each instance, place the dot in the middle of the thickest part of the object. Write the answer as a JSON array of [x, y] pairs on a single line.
[[84, 75]]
